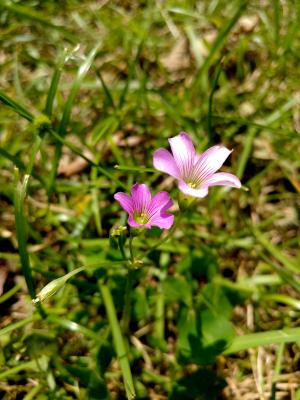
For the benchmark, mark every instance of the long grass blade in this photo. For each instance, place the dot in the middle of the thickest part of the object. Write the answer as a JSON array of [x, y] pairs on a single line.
[[245, 342], [62, 129], [118, 341], [220, 40], [17, 107]]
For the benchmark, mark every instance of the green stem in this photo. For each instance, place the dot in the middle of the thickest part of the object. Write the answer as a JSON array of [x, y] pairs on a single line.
[[118, 339], [13, 371], [162, 241], [279, 360], [166, 238], [10, 293], [127, 298], [19, 198]]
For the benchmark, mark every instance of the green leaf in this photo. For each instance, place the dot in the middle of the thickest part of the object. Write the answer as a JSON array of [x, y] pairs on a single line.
[[203, 337], [217, 298], [216, 334], [177, 289]]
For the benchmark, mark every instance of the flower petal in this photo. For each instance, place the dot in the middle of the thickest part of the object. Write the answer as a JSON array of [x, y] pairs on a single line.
[[163, 221], [186, 189], [164, 161], [184, 153], [125, 201], [222, 179], [141, 197], [160, 202], [210, 161]]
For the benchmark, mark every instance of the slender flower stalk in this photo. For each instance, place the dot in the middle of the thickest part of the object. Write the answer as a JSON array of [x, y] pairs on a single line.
[[195, 173], [144, 210]]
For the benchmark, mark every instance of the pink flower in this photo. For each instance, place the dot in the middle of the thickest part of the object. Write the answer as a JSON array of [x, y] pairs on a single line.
[[195, 172], [145, 211]]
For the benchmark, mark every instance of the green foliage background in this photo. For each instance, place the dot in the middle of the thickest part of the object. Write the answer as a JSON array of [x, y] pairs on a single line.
[[89, 90]]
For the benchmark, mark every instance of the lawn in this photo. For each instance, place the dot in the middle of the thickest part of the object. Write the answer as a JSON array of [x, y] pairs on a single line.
[[104, 294]]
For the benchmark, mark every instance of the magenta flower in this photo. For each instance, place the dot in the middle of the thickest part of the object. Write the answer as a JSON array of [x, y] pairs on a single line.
[[195, 172], [145, 211]]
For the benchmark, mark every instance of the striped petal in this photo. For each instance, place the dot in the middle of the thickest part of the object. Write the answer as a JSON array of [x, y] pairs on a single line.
[[222, 179], [210, 161], [125, 201], [160, 202], [164, 161], [183, 152], [157, 210], [141, 197]]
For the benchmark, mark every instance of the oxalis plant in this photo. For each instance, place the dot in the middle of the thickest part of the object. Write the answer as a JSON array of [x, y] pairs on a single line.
[[204, 332]]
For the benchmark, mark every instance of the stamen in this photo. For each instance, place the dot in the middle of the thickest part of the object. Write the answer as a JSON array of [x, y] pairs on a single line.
[[141, 218]]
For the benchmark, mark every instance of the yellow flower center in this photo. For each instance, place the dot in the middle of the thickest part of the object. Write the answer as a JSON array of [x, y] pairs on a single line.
[[192, 185], [141, 218]]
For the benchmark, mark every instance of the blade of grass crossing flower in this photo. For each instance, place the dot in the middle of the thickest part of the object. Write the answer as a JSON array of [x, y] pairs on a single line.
[[245, 342], [62, 129], [118, 340], [137, 169]]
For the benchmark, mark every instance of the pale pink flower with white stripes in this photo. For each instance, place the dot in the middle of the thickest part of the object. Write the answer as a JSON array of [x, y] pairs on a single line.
[[195, 172]]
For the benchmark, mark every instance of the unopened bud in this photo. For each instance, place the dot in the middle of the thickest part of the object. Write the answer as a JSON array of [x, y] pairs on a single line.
[[54, 286]]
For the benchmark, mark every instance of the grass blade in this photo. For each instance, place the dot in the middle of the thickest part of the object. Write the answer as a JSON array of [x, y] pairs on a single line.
[[118, 340], [62, 129], [215, 80], [54, 84], [17, 107], [220, 39], [245, 342], [19, 324], [285, 260], [20, 220]]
